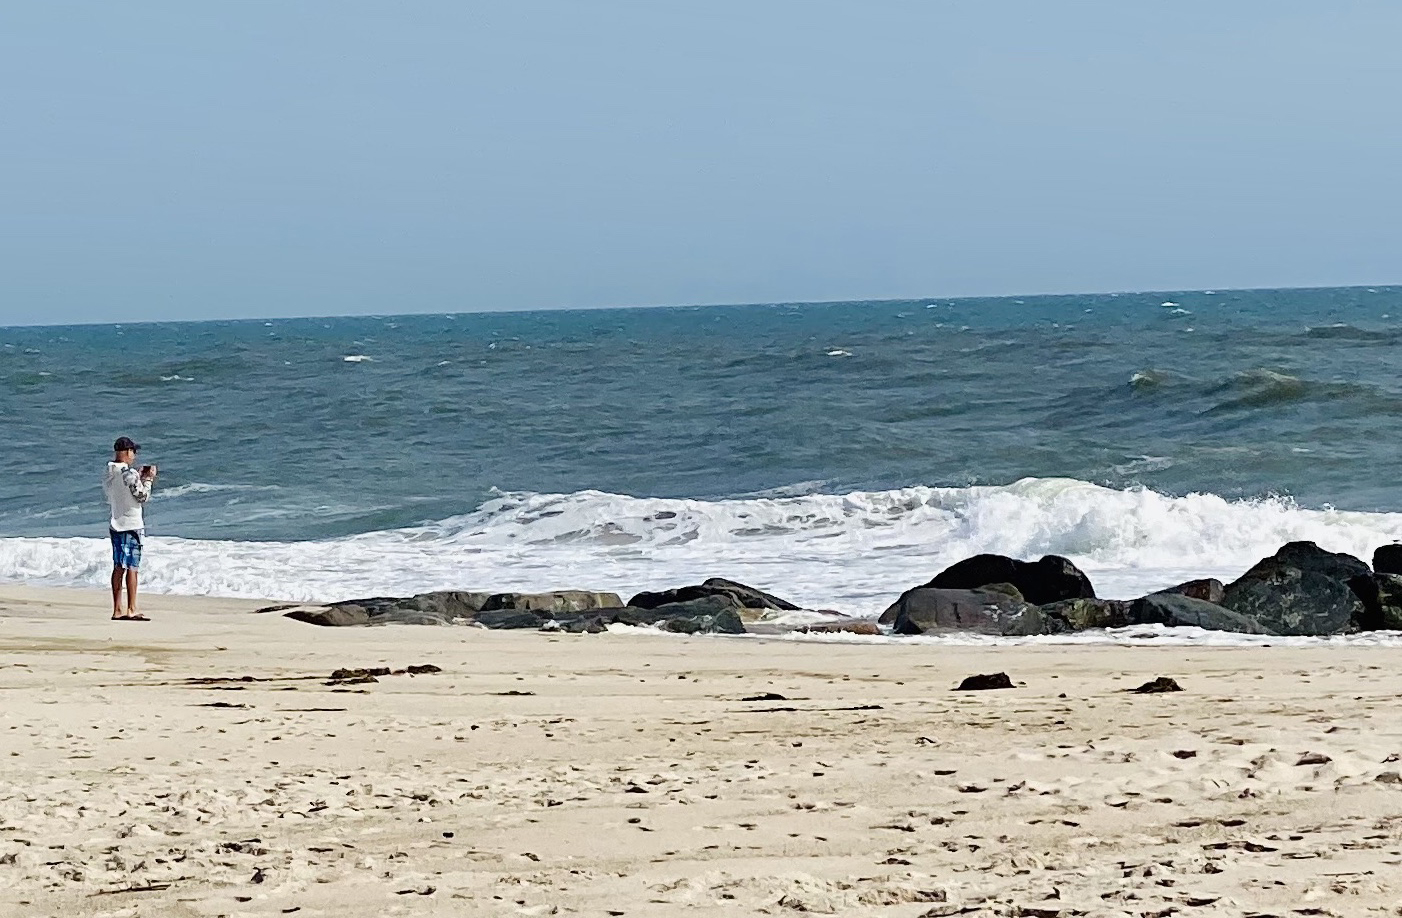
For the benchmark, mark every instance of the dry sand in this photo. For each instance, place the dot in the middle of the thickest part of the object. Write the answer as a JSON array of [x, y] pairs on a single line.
[[624, 775]]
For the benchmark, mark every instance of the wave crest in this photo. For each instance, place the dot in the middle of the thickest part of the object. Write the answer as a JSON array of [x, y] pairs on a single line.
[[854, 552], [1343, 332], [1261, 388]]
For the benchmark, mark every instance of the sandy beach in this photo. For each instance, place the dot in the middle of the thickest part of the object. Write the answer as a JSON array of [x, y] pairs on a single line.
[[200, 765]]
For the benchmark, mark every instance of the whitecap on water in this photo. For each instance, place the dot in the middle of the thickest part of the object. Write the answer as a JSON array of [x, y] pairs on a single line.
[[199, 487], [839, 352], [356, 358], [1138, 465]]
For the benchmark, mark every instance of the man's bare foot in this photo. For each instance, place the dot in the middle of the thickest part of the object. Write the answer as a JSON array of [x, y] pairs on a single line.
[[130, 617]]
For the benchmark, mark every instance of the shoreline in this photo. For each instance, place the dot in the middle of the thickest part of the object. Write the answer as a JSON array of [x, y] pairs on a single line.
[[202, 760]]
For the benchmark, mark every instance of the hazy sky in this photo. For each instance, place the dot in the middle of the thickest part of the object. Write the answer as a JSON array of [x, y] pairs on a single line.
[[200, 160]]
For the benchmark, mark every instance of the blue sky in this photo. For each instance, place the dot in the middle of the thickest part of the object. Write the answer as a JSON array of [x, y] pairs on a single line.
[[179, 160]]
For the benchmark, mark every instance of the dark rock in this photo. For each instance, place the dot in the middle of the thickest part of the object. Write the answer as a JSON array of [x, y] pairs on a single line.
[[750, 597], [342, 675], [1370, 598], [1007, 589], [583, 624], [688, 624], [279, 608], [1044, 581], [556, 601], [1301, 589], [513, 619], [450, 605], [1159, 685], [1387, 559], [352, 680], [715, 608], [747, 597], [924, 610], [455, 606], [853, 627], [765, 696], [715, 614], [1208, 590], [1081, 614], [331, 616], [1309, 557], [1381, 595], [1035, 620], [985, 682], [1290, 601], [1389, 588], [1314, 758], [423, 669], [651, 615], [438, 608], [412, 617], [651, 600], [1177, 610]]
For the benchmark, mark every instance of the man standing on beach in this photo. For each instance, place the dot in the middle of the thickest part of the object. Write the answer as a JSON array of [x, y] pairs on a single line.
[[126, 489]]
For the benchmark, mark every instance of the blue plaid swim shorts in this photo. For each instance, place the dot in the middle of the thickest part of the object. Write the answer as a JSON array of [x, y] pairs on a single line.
[[126, 548]]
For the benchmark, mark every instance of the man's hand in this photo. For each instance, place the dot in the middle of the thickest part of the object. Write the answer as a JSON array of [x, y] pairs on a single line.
[[149, 473]]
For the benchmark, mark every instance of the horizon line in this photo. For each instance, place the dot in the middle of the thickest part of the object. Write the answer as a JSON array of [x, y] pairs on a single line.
[[734, 305]]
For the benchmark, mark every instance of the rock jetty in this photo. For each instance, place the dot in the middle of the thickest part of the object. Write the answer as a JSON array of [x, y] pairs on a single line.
[[1300, 590]]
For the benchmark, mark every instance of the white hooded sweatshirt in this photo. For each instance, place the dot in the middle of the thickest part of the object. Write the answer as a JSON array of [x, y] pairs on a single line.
[[126, 492]]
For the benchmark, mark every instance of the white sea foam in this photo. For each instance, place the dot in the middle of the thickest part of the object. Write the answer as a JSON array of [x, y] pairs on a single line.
[[1133, 636], [850, 552], [199, 487], [356, 358]]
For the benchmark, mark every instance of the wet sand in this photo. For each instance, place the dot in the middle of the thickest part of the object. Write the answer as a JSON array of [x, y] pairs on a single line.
[[199, 765]]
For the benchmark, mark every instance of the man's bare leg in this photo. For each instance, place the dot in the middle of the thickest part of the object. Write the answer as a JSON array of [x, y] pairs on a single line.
[[117, 578], [131, 592]]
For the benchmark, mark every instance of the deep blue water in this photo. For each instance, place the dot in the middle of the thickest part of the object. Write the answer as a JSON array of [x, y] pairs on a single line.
[[264, 430]]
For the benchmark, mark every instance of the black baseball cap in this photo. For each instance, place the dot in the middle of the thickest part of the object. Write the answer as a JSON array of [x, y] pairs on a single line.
[[124, 443]]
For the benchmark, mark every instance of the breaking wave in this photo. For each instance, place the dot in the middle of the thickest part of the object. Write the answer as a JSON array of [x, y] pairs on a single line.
[[851, 552]]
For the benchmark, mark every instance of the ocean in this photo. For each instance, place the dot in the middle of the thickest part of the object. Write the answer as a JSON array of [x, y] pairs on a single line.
[[833, 453]]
